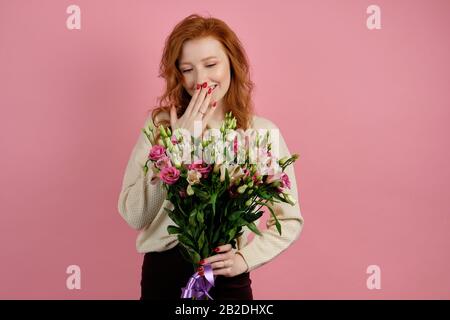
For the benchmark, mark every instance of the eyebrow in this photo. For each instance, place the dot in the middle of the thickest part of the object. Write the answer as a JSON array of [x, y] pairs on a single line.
[[207, 58]]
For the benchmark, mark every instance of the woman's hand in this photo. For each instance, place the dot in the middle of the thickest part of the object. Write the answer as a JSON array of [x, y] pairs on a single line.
[[226, 262], [198, 110]]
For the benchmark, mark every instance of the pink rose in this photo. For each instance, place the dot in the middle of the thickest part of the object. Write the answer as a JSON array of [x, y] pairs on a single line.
[[199, 166], [163, 162], [169, 175], [156, 152]]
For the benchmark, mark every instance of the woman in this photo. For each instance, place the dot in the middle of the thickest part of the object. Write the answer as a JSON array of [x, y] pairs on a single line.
[[207, 74]]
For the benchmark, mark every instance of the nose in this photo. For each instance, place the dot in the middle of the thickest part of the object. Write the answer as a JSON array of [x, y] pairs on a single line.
[[202, 77]]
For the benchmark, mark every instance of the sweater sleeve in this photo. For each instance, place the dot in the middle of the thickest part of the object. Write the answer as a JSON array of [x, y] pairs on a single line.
[[139, 200], [270, 244]]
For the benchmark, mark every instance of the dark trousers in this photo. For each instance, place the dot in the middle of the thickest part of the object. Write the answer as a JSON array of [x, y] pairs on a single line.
[[165, 273]]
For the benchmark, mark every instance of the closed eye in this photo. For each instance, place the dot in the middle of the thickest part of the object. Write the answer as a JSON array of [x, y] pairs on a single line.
[[189, 70]]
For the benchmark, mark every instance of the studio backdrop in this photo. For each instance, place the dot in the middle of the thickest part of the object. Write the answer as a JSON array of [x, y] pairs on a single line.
[[359, 89]]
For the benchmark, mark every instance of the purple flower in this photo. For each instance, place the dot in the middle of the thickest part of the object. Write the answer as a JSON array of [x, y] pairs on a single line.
[[156, 152], [169, 175]]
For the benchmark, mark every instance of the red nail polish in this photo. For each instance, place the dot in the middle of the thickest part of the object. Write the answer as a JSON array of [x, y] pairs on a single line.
[[209, 90], [200, 269], [204, 84], [214, 104], [198, 86], [216, 249], [202, 261]]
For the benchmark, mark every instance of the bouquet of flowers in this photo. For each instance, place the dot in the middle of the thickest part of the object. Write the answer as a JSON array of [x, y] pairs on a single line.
[[217, 188]]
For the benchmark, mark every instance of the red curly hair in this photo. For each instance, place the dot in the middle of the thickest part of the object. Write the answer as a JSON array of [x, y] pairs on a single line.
[[238, 97]]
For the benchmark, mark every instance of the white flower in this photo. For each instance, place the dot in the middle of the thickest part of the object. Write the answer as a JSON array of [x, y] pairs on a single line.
[[235, 172], [230, 136], [193, 177]]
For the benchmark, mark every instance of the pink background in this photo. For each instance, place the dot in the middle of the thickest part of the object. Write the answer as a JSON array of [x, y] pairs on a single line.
[[368, 111]]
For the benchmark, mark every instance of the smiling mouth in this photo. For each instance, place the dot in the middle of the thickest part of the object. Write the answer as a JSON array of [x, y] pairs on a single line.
[[212, 87]]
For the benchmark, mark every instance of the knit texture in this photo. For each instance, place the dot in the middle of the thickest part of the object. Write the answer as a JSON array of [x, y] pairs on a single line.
[[141, 205]]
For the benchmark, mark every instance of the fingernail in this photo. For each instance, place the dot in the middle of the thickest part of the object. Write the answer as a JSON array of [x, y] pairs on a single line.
[[204, 84], [200, 269], [201, 273], [216, 249], [214, 103], [198, 86], [209, 90], [202, 261]]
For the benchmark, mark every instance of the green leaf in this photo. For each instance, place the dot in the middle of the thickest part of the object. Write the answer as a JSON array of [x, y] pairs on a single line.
[[277, 223], [216, 235], [253, 216], [225, 212], [200, 193], [175, 218], [200, 217], [252, 226], [264, 195], [190, 232], [181, 209], [213, 203], [192, 218], [195, 257], [201, 240], [173, 230], [206, 250], [231, 234], [242, 222], [186, 241], [235, 215]]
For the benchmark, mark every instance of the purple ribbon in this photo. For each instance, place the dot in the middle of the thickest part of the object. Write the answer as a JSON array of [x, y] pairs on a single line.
[[198, 286]]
